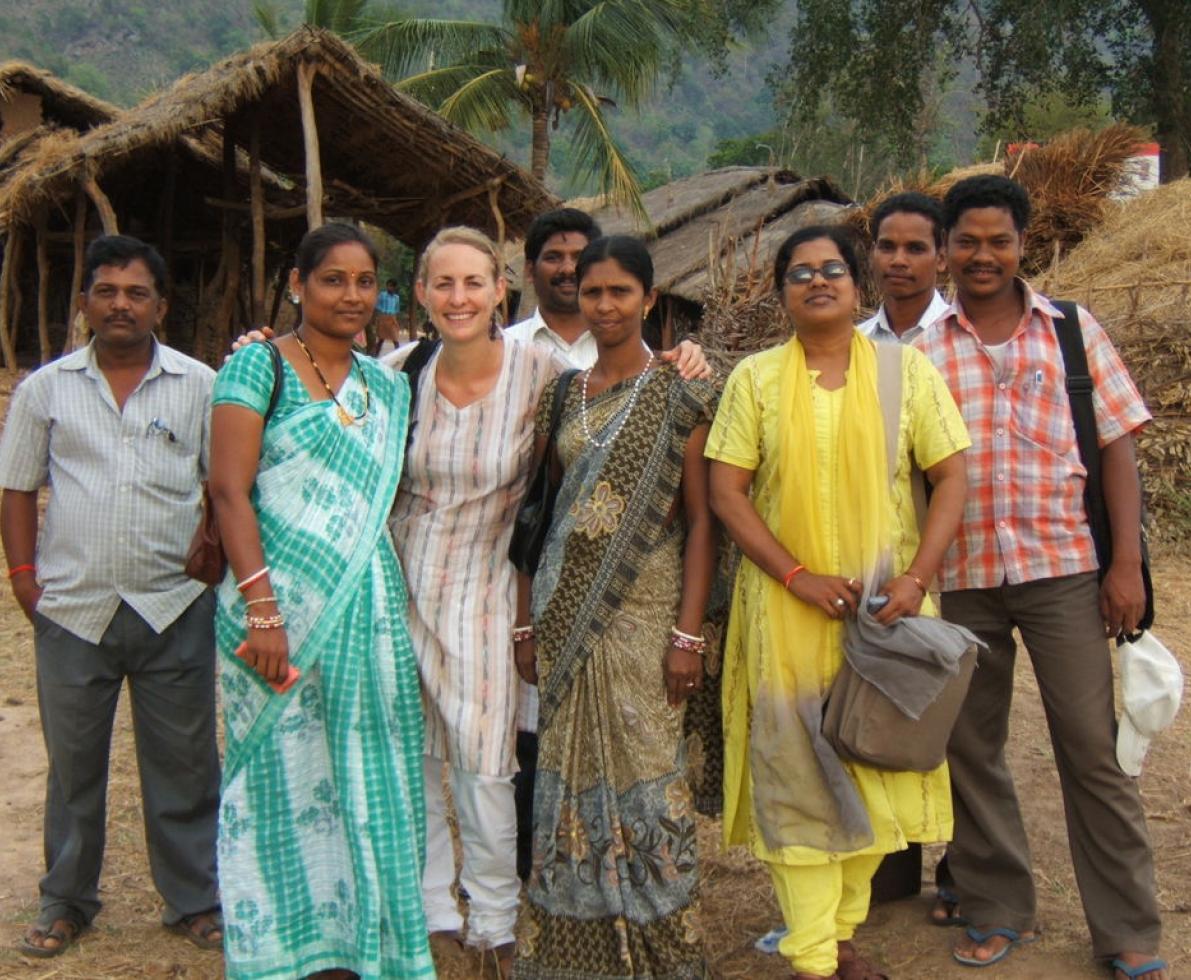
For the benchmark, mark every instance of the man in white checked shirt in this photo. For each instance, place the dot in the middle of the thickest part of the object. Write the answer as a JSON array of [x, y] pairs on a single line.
[[119, 433]]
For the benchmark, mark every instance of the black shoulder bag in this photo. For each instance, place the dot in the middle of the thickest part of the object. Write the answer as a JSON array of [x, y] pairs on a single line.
[[1083, 413], [536, 510]]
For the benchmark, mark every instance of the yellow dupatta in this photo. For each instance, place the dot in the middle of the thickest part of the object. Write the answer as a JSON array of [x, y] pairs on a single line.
[[802, 795]]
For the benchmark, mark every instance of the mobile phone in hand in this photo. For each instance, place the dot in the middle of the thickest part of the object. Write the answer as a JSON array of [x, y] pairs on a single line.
[[876, 603], [292, 675]]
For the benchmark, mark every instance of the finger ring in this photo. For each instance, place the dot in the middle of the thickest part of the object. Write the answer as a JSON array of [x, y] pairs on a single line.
[[839, 603], [851, 583]]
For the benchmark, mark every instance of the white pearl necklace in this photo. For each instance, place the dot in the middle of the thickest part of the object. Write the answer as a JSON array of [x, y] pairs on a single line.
[[625, 412]]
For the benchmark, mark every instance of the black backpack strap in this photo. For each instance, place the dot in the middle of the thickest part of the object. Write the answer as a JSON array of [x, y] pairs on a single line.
[[1083, 414], [418, 358], [560, 396], [278, 378]]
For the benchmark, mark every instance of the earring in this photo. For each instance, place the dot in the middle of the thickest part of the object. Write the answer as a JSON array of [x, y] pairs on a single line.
[[494, 326], [293, 298]]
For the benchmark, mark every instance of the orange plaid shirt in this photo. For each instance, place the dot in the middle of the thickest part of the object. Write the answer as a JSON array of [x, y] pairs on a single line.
[[1024, 517]]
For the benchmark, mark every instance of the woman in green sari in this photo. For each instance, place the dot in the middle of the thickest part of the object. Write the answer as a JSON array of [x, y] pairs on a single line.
[[617, 609], [322, 829]]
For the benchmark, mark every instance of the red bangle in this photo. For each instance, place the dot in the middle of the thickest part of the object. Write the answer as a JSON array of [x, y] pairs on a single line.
[[16, 570], [790, 576]]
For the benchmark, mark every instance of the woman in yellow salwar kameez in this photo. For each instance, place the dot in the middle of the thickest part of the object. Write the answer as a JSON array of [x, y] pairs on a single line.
[[800, 480]]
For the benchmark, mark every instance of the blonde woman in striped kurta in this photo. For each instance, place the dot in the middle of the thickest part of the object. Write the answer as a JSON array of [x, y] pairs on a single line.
[[466, 471]]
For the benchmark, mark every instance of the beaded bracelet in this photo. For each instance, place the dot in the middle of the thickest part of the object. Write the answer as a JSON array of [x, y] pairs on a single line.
[[684, 641], [520, 633], [255, 576], [266, 622]]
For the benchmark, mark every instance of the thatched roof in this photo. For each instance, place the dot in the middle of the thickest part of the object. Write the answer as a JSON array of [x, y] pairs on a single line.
[[723, 222], [61, 102], [386, 158]]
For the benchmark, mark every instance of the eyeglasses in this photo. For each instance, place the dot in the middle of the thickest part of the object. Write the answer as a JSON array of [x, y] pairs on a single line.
[[803, 275]]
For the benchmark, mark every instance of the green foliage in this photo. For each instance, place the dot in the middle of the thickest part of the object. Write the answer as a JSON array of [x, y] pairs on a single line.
[[543, 60], [877, 62], [1042, 117]]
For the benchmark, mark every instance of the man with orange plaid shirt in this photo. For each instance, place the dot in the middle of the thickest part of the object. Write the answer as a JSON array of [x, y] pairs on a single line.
[[1024, 557]]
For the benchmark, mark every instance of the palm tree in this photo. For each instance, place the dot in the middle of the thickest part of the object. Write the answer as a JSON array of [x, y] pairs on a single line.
[[546, 59]]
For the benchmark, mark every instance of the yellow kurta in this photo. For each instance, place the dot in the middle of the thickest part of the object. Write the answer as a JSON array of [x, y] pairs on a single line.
[[902, 806]]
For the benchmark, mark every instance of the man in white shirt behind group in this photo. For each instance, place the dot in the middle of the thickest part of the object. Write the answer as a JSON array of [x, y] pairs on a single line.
[[906, 260]]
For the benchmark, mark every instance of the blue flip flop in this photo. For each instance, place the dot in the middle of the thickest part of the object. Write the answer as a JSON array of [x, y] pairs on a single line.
[[980, 938], [1133, 972], [949, 899]]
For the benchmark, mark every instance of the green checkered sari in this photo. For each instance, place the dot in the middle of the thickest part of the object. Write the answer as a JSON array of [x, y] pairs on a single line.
[[322, 826]]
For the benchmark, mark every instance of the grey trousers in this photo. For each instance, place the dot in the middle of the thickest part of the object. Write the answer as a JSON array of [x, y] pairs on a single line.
[[1060, 623], [171, 678]]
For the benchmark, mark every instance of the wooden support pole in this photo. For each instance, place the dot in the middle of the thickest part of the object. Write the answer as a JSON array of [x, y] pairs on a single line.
[[14, 325], [6, 278], [107, 214], [166, 236], [79, 246], [499, 218], [257, 199], [279, 294], [314, 169], [43, 290]]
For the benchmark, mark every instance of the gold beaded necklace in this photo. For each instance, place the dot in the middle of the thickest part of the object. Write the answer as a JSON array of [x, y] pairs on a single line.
[[345, 417]]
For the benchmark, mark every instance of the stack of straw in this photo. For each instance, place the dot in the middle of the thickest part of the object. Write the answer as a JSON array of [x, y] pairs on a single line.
[[1134, 274]]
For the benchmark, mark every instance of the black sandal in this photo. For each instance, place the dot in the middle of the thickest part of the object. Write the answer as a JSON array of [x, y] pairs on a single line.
[[75, 927]]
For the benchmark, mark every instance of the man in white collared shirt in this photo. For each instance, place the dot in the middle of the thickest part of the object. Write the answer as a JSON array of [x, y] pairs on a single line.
[[118, 431], [906, 260]]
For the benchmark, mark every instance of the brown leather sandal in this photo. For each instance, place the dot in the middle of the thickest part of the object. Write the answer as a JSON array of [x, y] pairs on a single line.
[[64, 930]]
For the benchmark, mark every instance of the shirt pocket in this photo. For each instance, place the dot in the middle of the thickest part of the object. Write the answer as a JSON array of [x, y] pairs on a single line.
[[1041, 411], [170, 466]]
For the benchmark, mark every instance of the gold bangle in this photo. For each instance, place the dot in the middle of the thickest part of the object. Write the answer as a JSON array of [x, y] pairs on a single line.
[[916, 580]]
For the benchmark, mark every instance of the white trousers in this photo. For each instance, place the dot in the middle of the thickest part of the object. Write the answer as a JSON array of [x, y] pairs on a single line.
[[487, 816]]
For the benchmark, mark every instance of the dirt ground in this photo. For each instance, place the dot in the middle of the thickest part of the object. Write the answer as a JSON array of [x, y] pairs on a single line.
[[129, 942]]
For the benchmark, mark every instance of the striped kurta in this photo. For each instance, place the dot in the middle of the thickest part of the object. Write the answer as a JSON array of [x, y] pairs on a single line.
[[465, 475]]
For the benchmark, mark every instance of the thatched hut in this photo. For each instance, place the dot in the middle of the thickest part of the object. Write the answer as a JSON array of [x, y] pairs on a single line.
[[717, 230], [227, 168], [31, 98]]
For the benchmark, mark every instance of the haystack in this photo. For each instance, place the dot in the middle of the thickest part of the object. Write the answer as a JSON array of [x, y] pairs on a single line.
[[1134, 274], [1070, 180]]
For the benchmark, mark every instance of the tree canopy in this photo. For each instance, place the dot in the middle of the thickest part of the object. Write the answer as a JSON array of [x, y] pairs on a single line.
[[547, 59], [879, 62]]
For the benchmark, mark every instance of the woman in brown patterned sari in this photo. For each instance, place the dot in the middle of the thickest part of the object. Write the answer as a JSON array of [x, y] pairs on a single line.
[[615, 648]]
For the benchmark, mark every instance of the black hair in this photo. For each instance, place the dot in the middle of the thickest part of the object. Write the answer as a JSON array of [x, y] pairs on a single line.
[[554, 223], [987, 191], [910, 202], [390, 282], [120, 250], [629, 252], [843, 239], [315, 245]]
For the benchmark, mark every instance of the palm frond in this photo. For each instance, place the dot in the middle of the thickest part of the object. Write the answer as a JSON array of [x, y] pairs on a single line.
[[402, 45], [435, 86], [622, 44], [600, 156], [340, 16], [267, 17], [484, 102]]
